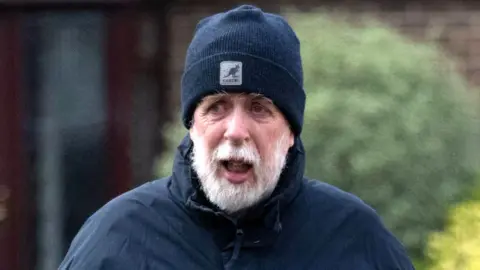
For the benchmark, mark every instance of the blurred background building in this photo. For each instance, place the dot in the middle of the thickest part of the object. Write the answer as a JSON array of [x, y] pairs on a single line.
[[86, 86]]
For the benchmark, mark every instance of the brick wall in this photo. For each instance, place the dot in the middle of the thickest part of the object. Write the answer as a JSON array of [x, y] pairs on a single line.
[[453, 25]]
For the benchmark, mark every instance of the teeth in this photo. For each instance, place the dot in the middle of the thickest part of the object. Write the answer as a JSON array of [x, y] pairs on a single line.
[[237, 166]]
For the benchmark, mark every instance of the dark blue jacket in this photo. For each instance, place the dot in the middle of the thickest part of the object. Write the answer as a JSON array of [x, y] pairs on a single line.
[[169, 224]]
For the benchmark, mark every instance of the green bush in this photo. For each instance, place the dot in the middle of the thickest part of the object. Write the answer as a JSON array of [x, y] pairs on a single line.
[[173, 135], [386, 119]]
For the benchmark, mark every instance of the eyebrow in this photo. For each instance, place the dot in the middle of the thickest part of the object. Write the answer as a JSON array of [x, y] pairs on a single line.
[[262, 98], [213, 98]]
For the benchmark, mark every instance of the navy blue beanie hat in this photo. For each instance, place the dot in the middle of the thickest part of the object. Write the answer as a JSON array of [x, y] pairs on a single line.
[[245, 50]]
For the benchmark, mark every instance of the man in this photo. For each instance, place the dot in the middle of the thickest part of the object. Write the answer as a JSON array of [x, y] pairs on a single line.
[[237, 197]]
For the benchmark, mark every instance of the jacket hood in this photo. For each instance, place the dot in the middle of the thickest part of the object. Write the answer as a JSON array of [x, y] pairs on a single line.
[[185, 187]]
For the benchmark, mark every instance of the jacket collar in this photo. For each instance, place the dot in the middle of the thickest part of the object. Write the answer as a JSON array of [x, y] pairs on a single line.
[[185, 187]]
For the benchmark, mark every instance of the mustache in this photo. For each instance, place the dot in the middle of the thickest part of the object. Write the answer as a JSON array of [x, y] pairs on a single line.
[[227, 151]]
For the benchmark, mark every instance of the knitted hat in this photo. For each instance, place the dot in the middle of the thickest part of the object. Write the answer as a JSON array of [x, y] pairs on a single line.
[[245, 50]]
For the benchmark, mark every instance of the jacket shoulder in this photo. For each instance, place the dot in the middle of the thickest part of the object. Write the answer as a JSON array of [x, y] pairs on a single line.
[[322, 195], [352, 218], [344, 210], [114, 237]]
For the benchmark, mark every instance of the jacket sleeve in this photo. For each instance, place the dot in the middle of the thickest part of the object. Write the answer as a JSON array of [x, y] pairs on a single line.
[[109, 239]]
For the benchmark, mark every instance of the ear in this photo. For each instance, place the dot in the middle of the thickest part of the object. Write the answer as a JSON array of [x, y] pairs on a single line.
[[192, 132], [291, 139], [191, 129]]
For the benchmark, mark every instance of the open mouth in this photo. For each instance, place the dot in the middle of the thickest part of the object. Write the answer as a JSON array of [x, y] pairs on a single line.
[[236, 166]]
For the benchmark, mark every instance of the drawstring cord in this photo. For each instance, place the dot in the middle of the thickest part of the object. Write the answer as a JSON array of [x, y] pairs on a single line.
[[278, 223]]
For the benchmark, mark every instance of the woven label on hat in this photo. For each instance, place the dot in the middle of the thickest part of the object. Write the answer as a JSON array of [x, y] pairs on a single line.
[[231, 73]]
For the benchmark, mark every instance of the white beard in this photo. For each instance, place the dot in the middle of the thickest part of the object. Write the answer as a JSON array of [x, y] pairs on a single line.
[[234, 197]]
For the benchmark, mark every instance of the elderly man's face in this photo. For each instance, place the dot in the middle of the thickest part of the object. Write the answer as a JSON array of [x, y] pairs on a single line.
[[240, 146]]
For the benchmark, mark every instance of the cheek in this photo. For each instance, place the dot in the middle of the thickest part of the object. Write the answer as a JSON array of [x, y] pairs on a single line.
[[209, 135], [269, 145], [266, 146]]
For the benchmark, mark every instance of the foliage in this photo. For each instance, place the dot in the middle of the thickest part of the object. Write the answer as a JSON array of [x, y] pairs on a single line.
[[458, 247], [420, 263], [173, 135], [388, 120]]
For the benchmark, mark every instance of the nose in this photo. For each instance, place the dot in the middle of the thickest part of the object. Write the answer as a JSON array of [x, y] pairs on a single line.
[[237, 128]]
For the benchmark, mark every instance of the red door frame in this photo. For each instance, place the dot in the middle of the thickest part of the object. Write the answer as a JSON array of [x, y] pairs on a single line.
[[122, 30], [14, 229]]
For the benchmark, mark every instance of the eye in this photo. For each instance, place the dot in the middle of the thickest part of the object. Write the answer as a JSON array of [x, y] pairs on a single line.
[[217, 107], [259, 109]]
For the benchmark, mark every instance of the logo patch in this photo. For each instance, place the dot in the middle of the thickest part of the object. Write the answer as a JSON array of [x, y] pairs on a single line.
[[231, 73]]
